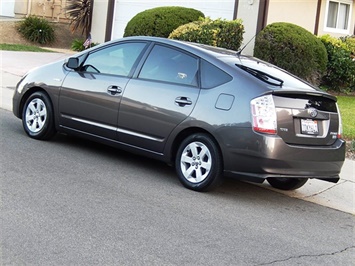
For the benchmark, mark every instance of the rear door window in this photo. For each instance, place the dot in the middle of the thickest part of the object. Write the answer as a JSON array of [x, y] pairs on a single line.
[[170, 65]]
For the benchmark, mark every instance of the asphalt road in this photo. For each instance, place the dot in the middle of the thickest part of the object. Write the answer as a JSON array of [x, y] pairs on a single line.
[[72, 202]]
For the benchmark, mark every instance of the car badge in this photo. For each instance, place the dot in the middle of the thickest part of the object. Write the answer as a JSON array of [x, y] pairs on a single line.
[[312, 112]]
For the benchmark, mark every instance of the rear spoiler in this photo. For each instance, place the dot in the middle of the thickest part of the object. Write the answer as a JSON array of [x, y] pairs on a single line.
[[290, 93]]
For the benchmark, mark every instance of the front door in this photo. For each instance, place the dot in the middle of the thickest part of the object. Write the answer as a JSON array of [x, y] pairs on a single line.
[[90, 97]]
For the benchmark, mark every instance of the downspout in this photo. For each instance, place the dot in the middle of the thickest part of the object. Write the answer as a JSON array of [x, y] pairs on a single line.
[[316, 25], [29, 6], [90, 20]]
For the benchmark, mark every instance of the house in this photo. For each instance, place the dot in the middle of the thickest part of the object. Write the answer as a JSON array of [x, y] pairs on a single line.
[[334, 17], [110, 17]]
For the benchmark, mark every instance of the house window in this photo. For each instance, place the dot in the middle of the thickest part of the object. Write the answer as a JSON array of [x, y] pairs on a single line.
[[338, 16]]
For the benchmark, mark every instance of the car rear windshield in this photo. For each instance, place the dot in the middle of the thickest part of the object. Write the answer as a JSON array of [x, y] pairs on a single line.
[[271, 74]]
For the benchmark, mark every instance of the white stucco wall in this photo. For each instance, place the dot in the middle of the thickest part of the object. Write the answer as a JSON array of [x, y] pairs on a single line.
[[99, 17], [248, 12]]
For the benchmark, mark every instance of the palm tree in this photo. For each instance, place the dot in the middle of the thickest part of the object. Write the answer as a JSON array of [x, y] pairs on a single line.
[[80, 14]]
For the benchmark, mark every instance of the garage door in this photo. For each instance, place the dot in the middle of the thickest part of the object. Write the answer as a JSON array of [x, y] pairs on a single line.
[[125, 10], [7, 8]]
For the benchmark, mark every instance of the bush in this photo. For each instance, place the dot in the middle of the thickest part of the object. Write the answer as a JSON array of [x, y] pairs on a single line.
[[340, 74], [80, 13], [222, 33], [350, 44], [36, 30], [294, 49], [160, 21], [78, 45]]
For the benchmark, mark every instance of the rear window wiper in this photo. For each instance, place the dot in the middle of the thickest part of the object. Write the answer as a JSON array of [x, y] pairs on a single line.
[[269, 79]]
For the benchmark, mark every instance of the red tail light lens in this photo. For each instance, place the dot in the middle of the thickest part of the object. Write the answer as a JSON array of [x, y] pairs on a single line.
[[264, 114]]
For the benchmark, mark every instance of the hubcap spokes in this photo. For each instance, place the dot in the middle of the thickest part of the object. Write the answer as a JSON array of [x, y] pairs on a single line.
[[196, 162], [36, 115]]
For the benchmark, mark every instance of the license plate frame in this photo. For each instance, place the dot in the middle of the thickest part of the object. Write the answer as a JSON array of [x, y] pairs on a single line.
[[309, 127]]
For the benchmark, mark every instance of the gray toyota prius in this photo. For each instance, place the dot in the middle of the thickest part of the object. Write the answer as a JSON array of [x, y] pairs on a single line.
[[210, 112]]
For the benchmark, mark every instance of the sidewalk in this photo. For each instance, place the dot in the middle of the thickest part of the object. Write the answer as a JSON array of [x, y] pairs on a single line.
[[338, 196]]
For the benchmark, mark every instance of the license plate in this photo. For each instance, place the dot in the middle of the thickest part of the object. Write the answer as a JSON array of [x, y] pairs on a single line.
[[309, 127]]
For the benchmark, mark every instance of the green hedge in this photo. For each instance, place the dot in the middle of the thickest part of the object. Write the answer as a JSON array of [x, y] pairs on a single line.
[[160, 21], [222, 33], [294, 49], [340, 74]]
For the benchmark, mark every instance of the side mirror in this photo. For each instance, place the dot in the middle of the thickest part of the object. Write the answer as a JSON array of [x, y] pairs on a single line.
[[73, 63]]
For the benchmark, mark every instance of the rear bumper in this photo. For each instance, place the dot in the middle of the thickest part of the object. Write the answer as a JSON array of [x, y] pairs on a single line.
[[270, 156]]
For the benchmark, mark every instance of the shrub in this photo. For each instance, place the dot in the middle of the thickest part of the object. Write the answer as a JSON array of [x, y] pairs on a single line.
[[222, 33], [36, 30], [79, 13], [294, 49], [160, 21], [340, 74], [78, 45], [350, 44]]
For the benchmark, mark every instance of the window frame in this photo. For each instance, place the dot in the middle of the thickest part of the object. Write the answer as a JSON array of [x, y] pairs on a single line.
[[338, 30]]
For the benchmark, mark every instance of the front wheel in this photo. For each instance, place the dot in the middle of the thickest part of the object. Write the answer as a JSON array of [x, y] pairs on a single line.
[[199, 163], [37, 116], [285, 183]]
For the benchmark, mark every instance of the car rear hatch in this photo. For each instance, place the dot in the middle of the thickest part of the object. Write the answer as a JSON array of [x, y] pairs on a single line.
[[305, 115], [307, 118]]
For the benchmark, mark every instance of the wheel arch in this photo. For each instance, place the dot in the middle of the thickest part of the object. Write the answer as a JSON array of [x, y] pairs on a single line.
[[184, 134]]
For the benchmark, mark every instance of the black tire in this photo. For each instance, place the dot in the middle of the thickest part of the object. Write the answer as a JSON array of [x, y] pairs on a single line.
[[286, 183], [37, 116], [198, 163]]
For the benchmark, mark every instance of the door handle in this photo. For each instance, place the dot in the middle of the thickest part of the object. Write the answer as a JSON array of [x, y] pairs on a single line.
[[182, 101], [113, 90]]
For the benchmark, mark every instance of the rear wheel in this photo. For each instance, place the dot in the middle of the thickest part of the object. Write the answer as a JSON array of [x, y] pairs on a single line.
[[199, 163], [37, 116], [286, 183]]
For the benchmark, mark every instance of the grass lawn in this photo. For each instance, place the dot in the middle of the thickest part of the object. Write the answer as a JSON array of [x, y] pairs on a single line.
[[20, 47], [347, 110]]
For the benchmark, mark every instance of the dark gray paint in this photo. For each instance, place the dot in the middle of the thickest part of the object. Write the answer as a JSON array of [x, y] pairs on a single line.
[[150, 122]]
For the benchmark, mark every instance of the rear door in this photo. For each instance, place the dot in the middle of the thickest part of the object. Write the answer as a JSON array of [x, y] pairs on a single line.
[[90, 97], [162, 96]]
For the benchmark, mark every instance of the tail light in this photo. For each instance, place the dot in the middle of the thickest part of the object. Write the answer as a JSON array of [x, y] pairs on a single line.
[[264, 114], [340, 128]]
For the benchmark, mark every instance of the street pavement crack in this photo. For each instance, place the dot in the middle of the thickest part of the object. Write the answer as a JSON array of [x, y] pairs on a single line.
[[303, 256]]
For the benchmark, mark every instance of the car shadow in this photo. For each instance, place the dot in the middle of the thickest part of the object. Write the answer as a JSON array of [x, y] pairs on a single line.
[[231, 189]]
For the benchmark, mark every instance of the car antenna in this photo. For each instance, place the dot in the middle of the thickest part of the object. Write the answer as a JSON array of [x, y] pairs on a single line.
[[245, 45]]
